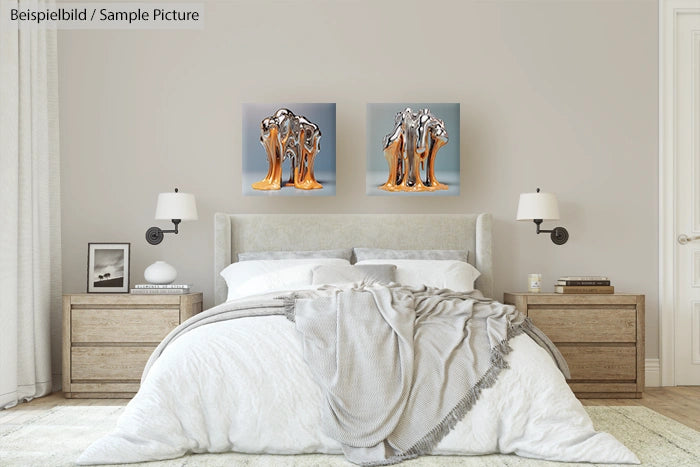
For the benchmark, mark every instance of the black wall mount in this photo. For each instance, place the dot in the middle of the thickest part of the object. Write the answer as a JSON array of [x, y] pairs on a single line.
[[155, 235], [559, 235]]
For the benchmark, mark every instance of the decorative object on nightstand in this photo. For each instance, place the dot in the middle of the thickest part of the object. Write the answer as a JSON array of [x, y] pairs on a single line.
[[534, 282], [169, 289], [174, 206], [108, 267], [538, 207], [583, 284], [108, 338], [601, 336], [160, 272]]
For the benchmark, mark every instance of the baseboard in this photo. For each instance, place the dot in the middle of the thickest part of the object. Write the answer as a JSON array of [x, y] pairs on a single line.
[[652, 373]]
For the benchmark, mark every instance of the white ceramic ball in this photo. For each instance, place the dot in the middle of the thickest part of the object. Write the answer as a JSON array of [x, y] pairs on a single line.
[[160, 273]]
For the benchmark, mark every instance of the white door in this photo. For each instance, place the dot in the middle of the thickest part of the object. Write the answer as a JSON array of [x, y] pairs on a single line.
[[687, 197]]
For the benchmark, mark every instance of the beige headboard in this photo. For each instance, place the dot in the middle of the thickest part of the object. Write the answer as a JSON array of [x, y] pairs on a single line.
[[234, 233]]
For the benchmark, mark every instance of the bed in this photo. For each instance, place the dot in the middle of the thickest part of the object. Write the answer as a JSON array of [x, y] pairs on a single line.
[[250, 375]]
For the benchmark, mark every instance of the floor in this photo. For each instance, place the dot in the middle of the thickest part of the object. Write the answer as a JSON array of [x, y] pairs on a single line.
[[679, 403]]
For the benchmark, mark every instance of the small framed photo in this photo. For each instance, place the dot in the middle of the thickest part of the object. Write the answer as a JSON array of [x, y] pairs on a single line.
[[108, 267]]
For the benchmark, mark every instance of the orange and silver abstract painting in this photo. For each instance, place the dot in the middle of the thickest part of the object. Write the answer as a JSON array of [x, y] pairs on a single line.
[[288, 149], [413, 149]]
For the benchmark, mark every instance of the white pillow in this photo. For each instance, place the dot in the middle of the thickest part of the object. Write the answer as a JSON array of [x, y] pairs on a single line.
[[443, 274], [255, 277], [367, 273]]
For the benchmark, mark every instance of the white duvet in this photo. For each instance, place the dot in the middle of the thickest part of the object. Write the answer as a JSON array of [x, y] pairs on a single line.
[[242, 385]]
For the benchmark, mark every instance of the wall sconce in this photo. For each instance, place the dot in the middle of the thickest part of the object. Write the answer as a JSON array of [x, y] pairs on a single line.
[[174, 206], [538, 207]]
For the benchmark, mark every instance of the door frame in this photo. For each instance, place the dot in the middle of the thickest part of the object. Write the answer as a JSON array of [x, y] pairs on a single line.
[[669, 10]]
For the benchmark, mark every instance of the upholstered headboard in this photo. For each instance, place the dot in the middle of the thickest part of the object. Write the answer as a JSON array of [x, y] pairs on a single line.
[[234, 233]]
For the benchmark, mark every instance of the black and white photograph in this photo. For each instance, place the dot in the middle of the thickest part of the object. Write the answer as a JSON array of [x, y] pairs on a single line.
[[108, 267]]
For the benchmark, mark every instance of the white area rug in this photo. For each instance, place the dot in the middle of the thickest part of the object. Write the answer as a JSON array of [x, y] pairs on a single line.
[[55, 437]]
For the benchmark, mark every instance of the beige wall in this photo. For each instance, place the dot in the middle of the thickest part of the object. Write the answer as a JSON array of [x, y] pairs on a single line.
[[556, 94]]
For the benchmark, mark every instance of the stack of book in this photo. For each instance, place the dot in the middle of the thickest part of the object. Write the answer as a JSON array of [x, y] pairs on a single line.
[[160, 289], [584, 284]]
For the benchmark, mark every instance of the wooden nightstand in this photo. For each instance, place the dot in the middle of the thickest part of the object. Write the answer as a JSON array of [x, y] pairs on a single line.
[[600, 336], [107, 339]]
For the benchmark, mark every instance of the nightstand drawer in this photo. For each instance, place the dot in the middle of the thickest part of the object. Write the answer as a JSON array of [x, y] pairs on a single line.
[[586, 324], [122, 325], [108, 338], [600, 362], [601, 336], [109, 363]]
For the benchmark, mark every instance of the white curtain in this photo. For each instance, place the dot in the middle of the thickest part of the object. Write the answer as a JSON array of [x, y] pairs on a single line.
[[30, 244]]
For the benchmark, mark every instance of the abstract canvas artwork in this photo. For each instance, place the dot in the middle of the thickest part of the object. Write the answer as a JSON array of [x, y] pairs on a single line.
[[412, 149], [289, 149]]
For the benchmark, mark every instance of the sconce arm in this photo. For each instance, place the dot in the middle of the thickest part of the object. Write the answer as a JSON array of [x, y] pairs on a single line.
[[559, 235], [155, 235]]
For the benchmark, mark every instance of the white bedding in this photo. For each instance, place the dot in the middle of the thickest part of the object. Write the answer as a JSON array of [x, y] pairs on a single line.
[[242, 385]]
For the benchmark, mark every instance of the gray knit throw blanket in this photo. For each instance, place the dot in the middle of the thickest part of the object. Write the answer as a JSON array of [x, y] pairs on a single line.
[[399, 367]]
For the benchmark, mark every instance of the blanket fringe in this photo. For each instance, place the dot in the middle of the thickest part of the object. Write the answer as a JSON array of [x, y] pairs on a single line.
[[426, 444], [498, 364], [288, 302]]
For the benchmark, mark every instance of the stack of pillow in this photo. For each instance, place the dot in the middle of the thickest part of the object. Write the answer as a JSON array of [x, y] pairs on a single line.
[[273, 271]]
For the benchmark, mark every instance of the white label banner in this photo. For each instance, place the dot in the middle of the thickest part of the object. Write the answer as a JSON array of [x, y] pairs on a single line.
[[114, 15]]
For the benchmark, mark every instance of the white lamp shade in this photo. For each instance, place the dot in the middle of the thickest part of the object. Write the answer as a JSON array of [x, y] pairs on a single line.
[[176, 206], [537, 206]]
